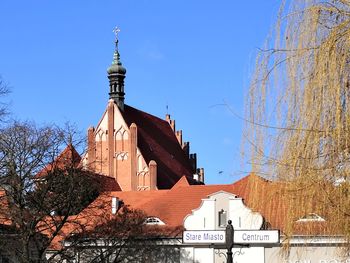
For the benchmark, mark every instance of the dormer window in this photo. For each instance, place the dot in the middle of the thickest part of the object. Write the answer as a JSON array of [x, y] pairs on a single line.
[[222, 218], [153, 221], [311, 217]]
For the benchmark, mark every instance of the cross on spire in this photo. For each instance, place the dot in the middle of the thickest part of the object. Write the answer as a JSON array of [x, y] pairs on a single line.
[[116, 30]]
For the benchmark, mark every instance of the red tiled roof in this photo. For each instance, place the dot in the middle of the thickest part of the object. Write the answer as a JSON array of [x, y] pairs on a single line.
[[107, 183], [172, 205], [68, 157], [158, 142]]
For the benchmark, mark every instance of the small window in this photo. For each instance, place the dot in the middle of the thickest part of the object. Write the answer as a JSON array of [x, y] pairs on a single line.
[[154, 221], [312, 217], [222, 218]]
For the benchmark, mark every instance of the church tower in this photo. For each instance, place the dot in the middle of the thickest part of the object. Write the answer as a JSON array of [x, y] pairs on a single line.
[[140, 151], [116, 75]]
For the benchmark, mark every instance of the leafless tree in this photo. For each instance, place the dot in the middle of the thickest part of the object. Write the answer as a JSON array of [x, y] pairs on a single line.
[[4, 91], [41, 189], [48, 212]]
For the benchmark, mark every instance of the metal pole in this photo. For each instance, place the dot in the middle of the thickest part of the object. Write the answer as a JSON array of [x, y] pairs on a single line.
[[229, 241]]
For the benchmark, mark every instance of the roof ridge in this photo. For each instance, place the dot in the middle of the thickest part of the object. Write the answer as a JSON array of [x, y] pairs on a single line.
[[146, 113], [159, 191]]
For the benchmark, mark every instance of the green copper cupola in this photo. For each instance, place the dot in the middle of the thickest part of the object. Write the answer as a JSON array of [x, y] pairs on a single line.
[[116, 75]]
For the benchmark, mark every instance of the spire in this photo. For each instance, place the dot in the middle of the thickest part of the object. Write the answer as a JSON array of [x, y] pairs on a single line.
[[116, 74]]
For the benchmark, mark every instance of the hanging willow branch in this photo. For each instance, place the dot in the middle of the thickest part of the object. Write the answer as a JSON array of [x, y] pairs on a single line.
[[301, 85]]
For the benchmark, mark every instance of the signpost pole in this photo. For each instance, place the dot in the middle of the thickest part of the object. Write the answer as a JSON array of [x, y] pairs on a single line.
[[229, 241]]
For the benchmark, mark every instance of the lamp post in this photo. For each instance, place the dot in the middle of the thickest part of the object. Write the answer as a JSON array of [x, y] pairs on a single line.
[[229, 241]]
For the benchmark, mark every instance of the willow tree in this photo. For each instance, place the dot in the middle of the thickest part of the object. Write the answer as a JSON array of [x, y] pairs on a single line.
[[298, 109]]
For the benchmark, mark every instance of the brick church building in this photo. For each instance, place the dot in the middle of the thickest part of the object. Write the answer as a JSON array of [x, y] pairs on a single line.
[[139, 150]]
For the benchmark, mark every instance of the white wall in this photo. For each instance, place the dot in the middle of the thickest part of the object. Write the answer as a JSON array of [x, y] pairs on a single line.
[[206, 217]]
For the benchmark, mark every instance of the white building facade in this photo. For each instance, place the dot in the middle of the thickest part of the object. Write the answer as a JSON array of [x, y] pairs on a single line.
[[220, 207]]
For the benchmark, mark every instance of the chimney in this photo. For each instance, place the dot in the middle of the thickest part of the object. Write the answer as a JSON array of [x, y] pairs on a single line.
[[114, 205], [200, 172]]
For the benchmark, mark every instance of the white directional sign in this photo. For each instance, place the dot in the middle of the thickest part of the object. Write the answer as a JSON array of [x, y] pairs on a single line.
[[204, 237], [240, 236], [256, 236]]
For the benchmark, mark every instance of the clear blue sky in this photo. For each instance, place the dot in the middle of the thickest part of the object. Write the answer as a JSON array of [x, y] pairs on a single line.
[[188, 54]]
